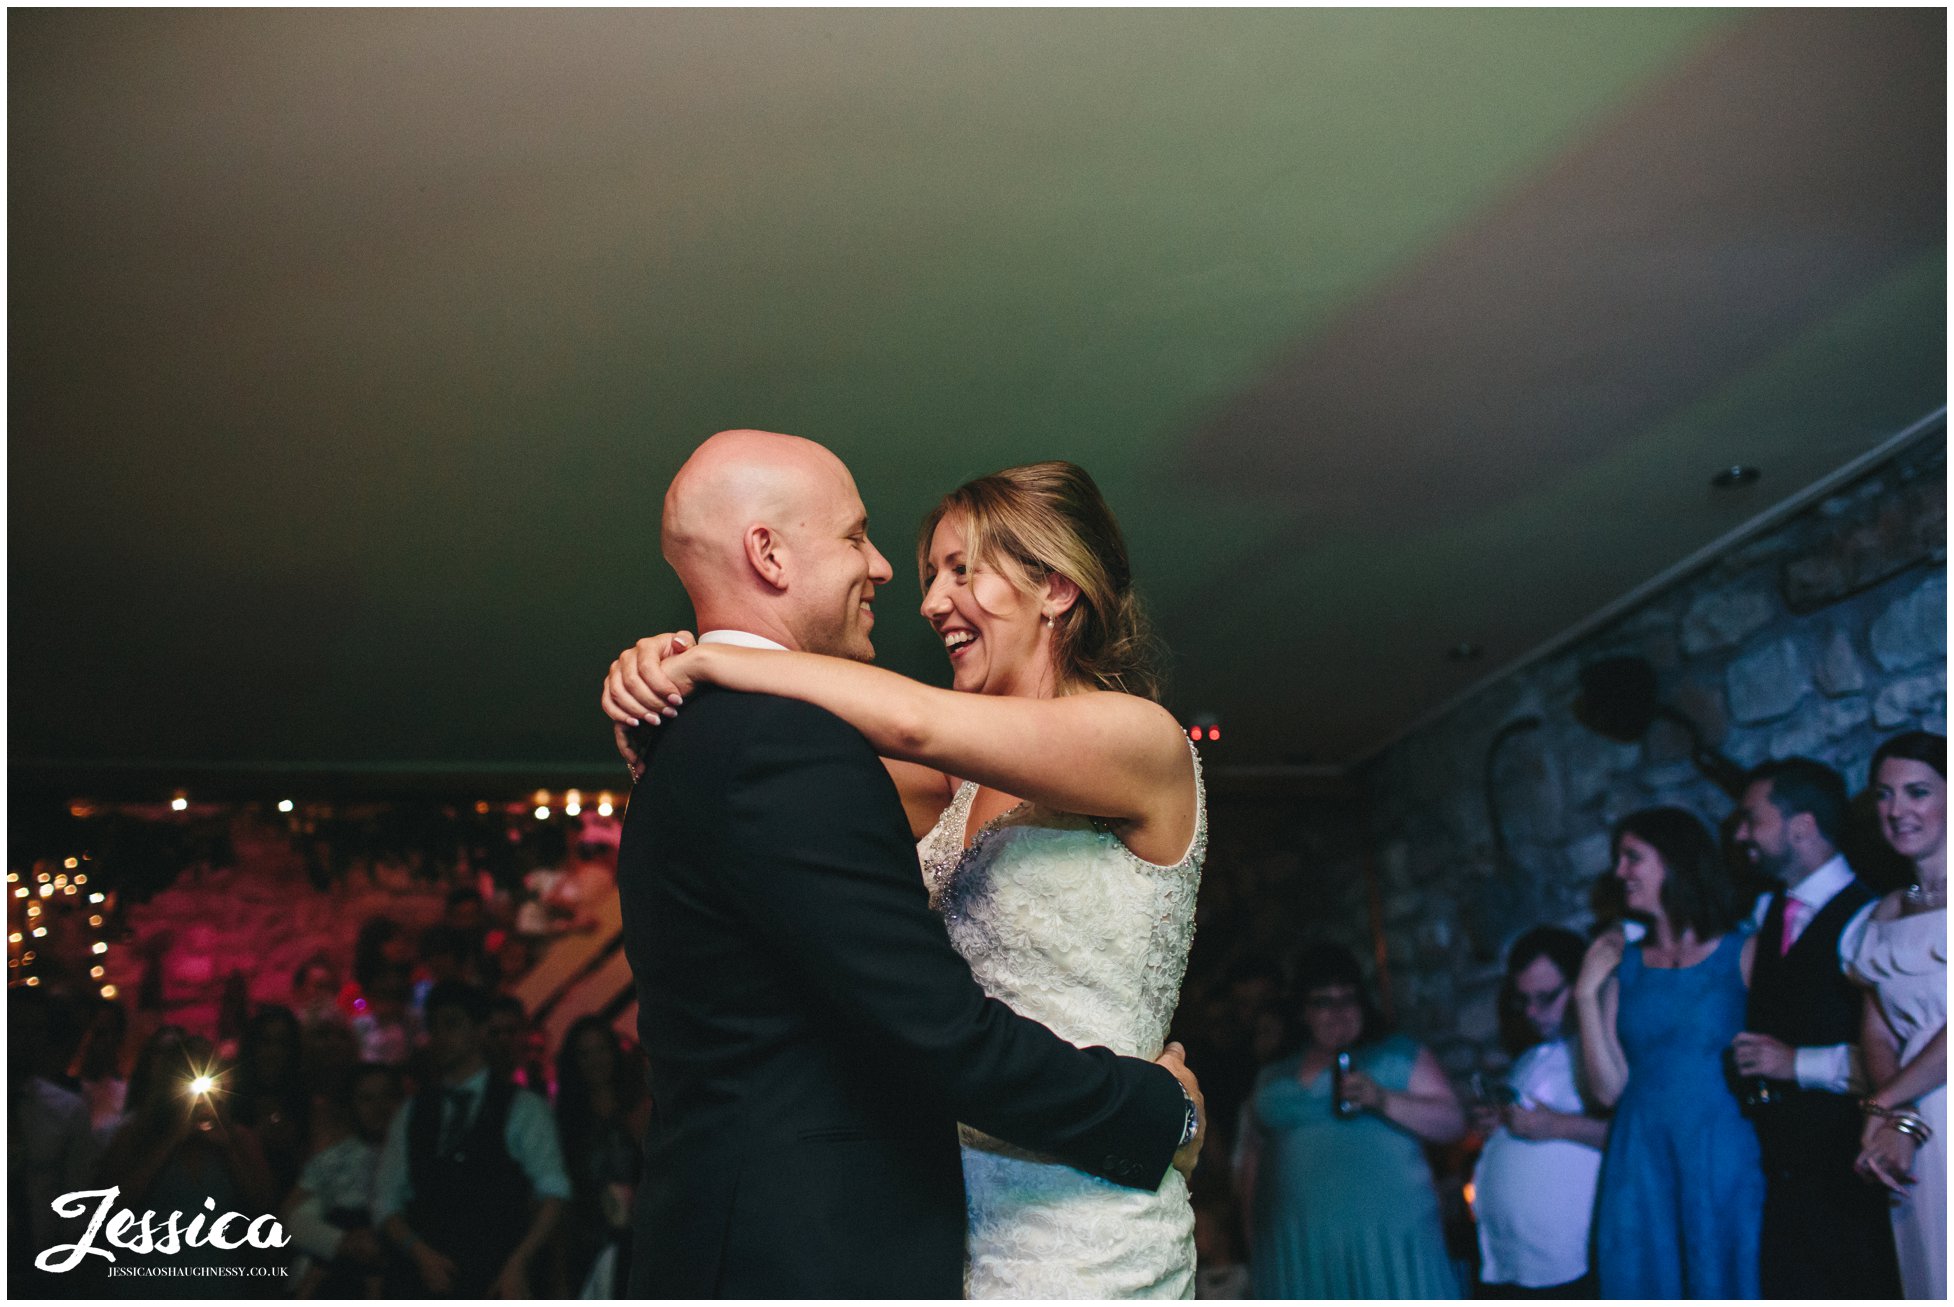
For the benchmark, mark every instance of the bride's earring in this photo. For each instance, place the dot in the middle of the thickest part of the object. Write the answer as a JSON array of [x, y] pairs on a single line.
[[1048, 619]]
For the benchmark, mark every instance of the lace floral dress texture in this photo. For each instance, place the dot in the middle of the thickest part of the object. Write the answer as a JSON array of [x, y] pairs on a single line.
[[1064, 924]]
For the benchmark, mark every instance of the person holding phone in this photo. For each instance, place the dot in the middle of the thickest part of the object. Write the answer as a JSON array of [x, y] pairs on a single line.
[[1534, 1187]]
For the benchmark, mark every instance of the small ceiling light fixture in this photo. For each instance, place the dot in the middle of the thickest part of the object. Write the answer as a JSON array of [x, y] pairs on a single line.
[[1465, 651], [1735, 477]]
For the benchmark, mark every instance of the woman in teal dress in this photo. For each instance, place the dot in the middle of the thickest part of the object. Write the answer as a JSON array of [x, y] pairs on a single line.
[[1343, 1206], [1682, 1189]]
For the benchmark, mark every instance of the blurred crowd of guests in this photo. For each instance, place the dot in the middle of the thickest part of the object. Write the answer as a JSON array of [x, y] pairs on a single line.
[[1731, 1086], [401, 1115]]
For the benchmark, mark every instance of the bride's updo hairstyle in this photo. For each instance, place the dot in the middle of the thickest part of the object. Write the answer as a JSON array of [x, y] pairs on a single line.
[[1030, 522]]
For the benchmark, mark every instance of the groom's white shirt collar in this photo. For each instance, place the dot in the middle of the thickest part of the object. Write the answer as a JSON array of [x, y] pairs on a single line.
[[744, 638]]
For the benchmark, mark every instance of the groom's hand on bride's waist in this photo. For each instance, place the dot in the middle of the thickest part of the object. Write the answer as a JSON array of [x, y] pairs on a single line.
[[1173, 1057]]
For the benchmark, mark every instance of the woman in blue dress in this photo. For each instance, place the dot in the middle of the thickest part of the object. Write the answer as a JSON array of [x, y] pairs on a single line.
[[1342, 1205], [1682, 1189]]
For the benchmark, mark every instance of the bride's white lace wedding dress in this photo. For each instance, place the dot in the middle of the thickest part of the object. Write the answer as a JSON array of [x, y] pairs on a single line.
[[1060, 921]]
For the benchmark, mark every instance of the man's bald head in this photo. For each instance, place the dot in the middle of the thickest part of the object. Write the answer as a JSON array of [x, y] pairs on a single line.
[[767, 533], [737, 477]]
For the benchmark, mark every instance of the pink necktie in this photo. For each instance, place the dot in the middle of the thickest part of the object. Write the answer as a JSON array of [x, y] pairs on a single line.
[[1794, 911]]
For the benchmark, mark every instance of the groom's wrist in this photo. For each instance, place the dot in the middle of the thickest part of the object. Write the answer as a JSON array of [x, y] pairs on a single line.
[[1191, 1118]]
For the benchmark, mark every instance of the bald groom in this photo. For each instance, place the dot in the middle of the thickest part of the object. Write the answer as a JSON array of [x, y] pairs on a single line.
[[813, 1038]]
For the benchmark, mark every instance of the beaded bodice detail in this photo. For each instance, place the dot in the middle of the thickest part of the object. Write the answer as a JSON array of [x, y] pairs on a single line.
[[1064, 923]]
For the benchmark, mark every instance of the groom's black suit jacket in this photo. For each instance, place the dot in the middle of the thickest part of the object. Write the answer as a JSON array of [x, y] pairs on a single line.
[[814, 1039]]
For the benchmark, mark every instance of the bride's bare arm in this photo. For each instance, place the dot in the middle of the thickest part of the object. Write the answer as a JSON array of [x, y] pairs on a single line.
[[1110, 755], [637, 691]]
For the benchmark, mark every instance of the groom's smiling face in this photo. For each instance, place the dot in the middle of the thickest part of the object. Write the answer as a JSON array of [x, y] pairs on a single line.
[[835, 571]]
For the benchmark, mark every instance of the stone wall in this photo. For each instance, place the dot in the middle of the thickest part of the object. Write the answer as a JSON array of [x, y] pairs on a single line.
[[1821, 637]]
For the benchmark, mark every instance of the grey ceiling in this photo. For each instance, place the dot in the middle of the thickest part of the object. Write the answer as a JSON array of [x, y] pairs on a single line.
[[350, 350]]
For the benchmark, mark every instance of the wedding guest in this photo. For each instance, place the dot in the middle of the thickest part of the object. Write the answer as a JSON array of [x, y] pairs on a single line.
[[1223, 1042], [466, 913], [1338, 1196], [329, 1216], [1902, 958], [602, 1109], [328, 1054], [269, 1094], [503, 1039], [180, 1146], [1824, 1234], [471, 1181], [386, 1029], [511, 960], [98, 1066], [1682, 1190], [315, 992], [1535, 1185], [382, 944], [51, 1147]]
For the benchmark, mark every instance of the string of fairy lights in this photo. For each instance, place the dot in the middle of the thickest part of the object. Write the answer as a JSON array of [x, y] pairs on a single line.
[[46, 899], [48, 904], [572, 804]]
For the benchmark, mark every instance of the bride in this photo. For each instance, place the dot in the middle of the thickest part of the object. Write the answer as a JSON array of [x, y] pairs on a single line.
[[1061, 829]]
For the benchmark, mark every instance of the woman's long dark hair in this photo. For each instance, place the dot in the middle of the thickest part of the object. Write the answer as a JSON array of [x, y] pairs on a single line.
[[1696, 893], [1914, 746], [576, 1118]]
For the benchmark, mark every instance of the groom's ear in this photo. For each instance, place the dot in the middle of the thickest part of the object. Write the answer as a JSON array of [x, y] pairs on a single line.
[[766, 554]]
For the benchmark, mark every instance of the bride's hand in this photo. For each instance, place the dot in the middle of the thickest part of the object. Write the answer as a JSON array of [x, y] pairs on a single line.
[[639, 689]]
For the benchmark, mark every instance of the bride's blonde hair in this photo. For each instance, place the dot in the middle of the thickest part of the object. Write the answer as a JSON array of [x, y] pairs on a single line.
[[1043, 518]]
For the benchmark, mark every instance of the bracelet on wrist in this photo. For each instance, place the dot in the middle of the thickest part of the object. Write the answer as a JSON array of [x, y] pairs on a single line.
[[1912, 1127], [1903, 1119]]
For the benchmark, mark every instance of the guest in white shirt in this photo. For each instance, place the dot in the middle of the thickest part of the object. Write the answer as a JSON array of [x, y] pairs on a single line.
[[330, 1214], [1535, 1185]]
